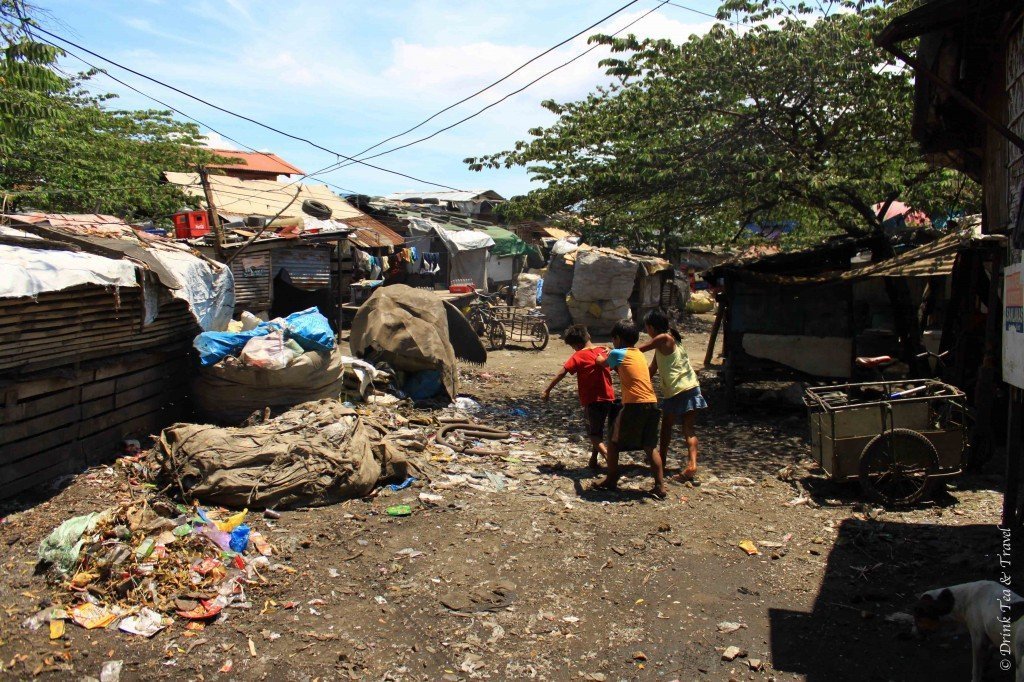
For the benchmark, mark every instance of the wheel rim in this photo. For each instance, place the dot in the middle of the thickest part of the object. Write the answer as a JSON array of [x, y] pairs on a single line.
[[498, 336], [540, 335], [896, 466]]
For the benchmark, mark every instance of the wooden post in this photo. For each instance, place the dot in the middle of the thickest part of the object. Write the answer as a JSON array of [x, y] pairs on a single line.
[[211, 207], [710, 355], [1013, 457]]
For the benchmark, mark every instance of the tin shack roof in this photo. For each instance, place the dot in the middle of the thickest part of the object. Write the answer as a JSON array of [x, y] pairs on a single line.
[[264, 162]]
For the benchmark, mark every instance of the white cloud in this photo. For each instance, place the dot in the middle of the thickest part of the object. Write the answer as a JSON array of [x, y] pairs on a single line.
[[305, 66]]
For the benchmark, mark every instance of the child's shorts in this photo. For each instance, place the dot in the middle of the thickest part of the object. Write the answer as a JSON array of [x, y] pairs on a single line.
[[638, 427], [601, 413], [684, 401]]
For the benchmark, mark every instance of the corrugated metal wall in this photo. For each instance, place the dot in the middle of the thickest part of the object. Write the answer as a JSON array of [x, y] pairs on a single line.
[[252, 281], [308, 267]]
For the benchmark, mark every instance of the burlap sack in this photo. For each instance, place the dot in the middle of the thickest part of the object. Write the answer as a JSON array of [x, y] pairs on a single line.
[[315, 454], [228, 394]]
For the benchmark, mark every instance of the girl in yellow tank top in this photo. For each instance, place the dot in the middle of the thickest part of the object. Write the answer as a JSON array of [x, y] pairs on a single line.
[[680, 388]]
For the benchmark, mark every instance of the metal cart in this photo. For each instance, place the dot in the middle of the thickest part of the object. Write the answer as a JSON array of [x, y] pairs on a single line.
[[523, 325], [895, 437]]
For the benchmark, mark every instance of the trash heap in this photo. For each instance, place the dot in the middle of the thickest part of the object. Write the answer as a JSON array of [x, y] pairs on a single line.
[[139, 566], [315, 454], [277, 365], [602, 283]]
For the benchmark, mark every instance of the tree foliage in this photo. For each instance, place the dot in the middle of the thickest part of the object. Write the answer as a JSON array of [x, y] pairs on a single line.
[[64, 149], [793, 116]]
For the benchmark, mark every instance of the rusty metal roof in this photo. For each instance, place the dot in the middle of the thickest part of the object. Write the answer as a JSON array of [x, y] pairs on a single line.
[[263, 162], [87, 224], [370, 233]]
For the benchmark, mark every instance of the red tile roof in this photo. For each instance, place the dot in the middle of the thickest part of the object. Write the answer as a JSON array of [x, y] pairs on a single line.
[[257, 161]]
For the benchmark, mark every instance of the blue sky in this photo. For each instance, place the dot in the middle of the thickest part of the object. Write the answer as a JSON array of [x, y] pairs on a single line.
[[349, 74]]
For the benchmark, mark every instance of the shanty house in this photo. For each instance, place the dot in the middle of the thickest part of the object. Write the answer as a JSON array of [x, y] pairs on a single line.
[[478, 203], [96, 324], [253, 165]]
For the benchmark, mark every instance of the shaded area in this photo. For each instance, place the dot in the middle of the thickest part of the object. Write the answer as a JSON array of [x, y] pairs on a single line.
[[876, 569]]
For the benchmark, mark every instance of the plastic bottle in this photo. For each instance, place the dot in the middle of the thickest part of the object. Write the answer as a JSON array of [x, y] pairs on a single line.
[[249, 321]]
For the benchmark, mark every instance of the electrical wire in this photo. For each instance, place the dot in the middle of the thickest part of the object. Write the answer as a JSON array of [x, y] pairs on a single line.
[[511, 94], [236, 114], [500, 80]]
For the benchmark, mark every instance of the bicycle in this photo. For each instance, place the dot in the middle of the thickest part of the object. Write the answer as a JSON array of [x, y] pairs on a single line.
[[482, 319]]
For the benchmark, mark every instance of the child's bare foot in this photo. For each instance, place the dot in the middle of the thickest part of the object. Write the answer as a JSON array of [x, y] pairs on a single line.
[[657, 493], [607, 484], [687, 474]]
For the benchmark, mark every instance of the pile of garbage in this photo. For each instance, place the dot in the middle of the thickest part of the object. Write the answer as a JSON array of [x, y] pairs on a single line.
[[276, 365], [315, 454], [138, 566], [602, 282]]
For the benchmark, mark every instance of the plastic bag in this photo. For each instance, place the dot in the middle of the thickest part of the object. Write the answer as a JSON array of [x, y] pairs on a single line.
[[267, 352], [215, 346], [311, 330]]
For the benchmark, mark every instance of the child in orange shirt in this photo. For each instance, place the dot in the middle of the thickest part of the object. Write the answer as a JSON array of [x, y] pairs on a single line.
[[637, 427]]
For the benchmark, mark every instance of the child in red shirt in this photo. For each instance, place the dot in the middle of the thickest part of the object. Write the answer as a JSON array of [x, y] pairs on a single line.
[[594, 383]]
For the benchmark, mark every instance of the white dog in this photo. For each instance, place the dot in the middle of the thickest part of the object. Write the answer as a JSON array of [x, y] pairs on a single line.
[[993, 615]]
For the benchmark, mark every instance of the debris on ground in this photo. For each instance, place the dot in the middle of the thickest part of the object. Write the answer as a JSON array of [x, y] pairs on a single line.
[[134, 566]]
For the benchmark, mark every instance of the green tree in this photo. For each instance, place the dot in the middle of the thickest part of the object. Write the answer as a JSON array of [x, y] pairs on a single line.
[[65, 149], [795, 117]]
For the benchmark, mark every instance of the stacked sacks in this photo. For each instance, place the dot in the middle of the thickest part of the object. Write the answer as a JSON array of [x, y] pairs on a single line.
[[557, 284], [601, 286], [526, 290]]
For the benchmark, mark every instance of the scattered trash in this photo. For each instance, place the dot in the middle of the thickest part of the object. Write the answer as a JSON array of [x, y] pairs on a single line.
[[111, 671], [399, 510], [496, 598], [732, 653], [749, 547], [726, 627], [395, 487], [755, 664], [796, 501], [431, 498], [900, 617], [239, 539], [226, 668], [90, 616], [146, 623]]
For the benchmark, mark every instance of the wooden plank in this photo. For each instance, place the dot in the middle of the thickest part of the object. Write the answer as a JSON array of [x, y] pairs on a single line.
[[47, 473], [710, 354]]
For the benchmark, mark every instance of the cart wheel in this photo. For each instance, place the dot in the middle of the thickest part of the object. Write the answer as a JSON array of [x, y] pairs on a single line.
[[896, 466], [540, 336], [497, 336]]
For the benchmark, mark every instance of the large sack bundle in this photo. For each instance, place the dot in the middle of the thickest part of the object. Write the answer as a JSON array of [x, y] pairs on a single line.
[[700, 302], [598, 316], [228, 393], [558, 279], [601, 275], [412, 330], [315, 454], [557, 283], [526, 290]]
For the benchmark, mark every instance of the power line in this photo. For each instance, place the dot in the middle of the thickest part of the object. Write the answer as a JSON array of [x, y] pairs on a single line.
[[179, 111], [707, 14], [500, 80], [511, 94], [236, 114]]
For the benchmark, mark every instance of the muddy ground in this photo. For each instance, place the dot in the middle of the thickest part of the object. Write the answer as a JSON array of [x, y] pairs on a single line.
[[590, 585]]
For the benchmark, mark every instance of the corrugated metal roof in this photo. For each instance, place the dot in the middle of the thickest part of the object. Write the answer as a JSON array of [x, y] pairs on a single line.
[[459, 195], [370, 233], [91, 224], [261, 197], [930, 260], [256, 161], [267, 198]]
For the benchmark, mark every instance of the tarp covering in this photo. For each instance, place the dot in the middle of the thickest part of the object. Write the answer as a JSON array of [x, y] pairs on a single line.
[[317, 454], [30, 272], [408, 329], [209, 290], [231, 392], [506, 244]]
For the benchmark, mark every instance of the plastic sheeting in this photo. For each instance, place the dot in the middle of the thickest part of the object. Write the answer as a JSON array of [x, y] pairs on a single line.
[[30, 272], [209, 290]]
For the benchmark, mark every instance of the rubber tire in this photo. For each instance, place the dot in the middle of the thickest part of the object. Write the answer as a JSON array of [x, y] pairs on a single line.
[[544, 335], [317, 209], [876, 447], [497, 336]]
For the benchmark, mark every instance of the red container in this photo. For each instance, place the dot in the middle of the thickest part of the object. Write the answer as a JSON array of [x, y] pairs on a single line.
[[190, 224]]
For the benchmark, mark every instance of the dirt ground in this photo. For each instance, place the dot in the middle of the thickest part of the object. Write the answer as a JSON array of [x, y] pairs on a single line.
[[591, 586]]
